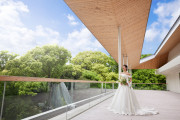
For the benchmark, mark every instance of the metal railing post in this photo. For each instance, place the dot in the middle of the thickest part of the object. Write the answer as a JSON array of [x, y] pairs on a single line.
[[66, 111], [113, 86], [72, 93], [105, 87], [3, 100], [102, 87]]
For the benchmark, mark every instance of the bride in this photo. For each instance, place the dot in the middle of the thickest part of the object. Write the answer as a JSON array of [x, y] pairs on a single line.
[[125, 102]]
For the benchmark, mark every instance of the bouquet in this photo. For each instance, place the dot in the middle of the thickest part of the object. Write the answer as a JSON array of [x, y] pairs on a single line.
[[122, 80]]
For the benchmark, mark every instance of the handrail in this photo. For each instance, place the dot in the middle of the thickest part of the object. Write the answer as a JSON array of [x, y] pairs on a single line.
[[38, 79]]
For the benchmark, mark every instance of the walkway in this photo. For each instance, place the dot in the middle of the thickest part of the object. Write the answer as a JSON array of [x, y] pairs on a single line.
[[167, 103]]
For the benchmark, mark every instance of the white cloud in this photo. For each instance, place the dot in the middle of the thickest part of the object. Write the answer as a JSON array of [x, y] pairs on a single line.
[[70, 17], [152, 33], [16, 37], [167, 13], [72, 20], [82, 40]]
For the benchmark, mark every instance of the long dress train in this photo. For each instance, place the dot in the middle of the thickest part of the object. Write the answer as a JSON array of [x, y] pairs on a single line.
[[125, 102]]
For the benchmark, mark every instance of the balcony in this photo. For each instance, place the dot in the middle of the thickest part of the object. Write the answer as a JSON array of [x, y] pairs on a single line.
[[80, 99], [166, 102]]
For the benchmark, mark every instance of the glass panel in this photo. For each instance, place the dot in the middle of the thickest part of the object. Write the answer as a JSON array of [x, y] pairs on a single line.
[[116, 85], [109, 87], [25, 99], [85, 90], [149, 86], [81, 94]]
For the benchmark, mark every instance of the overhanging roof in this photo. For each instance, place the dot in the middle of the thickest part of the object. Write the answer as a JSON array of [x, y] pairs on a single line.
[[160, 57], [102, 18]]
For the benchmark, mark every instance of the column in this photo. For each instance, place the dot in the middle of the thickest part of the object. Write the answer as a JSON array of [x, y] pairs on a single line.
[[119, 50]]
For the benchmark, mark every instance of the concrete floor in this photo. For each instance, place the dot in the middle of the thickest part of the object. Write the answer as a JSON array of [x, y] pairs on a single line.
[[167, 103]]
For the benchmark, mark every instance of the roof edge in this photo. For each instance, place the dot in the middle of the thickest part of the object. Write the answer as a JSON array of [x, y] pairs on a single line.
[[171, 31]]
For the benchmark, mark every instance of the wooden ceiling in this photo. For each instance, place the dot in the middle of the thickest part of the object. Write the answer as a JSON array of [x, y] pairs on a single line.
[[103, 17]]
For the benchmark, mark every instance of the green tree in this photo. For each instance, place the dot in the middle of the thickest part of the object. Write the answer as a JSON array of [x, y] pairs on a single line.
[[87, 59], [145, 55], [95, 64], [24, 66], [90, 75], [112, 76], [71, 72], [52, 58], [112, 64], [148, 76], [46, 61], [5, 56]]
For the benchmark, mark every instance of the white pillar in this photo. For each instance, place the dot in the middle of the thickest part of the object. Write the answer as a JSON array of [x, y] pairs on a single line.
[[119, 50], [123, 59], [130, 70], [127, 61]]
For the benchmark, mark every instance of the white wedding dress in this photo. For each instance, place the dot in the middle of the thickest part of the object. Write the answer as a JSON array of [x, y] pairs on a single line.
[[125, 102]]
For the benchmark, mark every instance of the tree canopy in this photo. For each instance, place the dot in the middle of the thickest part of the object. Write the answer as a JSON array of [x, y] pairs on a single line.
[[53, 61], [145, 55], [96, 65], [5, 56], [46, 61]]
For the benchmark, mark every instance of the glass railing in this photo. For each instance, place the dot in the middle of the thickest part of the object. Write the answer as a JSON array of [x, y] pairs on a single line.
[[30, 98], [49, 98]]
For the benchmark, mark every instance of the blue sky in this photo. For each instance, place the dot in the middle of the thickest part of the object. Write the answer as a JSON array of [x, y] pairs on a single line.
[[25, 24], [163, 14]]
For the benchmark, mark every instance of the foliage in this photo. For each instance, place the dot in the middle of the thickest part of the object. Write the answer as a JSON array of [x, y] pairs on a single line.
[[5, 56], [88, 59], [46, 61], [50, 61], [148, 76], [30, 88], [24, 66], [17, 109], [96, 65], [145, 55], [71, 72], [90, 75], [112, 65], [112, 76]]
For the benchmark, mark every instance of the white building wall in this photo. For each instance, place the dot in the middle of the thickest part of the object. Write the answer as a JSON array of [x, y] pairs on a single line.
[[173, 82], [172, 77]]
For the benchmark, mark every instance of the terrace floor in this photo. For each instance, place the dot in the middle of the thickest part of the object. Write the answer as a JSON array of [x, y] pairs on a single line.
[[166, 102]]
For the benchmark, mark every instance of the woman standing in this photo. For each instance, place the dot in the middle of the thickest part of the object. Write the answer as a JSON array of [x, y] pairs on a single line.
[[124, 101]]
